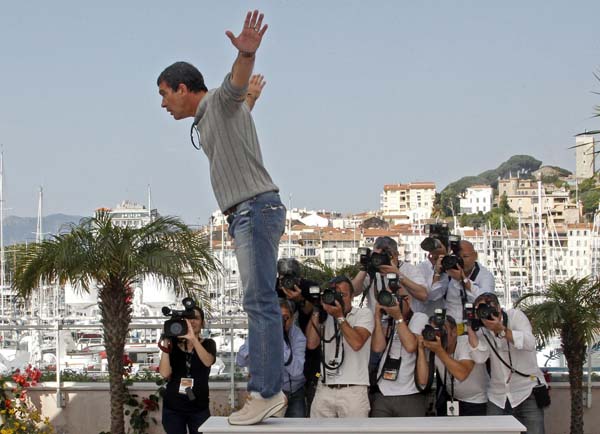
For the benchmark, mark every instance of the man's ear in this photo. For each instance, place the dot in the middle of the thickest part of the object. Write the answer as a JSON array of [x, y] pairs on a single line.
[[182, 88]]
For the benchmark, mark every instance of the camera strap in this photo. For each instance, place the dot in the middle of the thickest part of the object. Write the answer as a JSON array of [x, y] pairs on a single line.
[[509, 366], [337, 335], [391, 327], [451, 383], [188, 363], [286, 339], [372, 284]]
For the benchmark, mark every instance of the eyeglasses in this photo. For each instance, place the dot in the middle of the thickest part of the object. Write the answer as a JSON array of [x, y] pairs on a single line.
[[194, 132]]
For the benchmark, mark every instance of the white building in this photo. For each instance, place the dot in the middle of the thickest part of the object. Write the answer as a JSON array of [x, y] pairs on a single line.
[[584, 156], [131, 214], [407, 203], [477, 198]]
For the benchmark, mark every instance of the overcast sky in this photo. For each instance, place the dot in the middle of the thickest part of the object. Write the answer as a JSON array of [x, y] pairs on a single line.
[[359, 94]]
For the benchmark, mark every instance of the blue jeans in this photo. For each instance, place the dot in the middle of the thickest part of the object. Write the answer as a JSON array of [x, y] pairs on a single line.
[[527, 412], [175, 422], [256, 226], [296, 403]]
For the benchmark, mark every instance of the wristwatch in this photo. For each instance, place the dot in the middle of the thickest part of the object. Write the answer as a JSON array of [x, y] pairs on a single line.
[[502, 333], [466, 280], [341, 320]]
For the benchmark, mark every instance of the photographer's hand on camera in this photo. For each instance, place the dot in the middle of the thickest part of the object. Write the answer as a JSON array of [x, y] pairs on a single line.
[[335, 311], [435, 346], [296, 296]]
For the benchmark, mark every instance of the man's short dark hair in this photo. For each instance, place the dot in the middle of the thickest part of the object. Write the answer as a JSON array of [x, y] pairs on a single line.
[[386, 244], [487, 297], [182, 73]]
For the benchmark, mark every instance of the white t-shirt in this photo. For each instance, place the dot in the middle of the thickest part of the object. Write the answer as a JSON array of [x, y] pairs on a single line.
[[409, 270], [355, 367], [473, 388], [504, 384], [428, 307], [405, 383]]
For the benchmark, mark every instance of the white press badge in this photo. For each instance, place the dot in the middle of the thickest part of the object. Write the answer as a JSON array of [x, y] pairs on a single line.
[[184, 384], [452, 408]]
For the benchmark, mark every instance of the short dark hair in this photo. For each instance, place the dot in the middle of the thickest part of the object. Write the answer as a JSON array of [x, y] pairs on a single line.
[[488, 297], [200, 311], [387, 244], [182, 73]]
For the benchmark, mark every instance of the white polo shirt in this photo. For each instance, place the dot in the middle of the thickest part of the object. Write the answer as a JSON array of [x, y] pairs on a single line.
[[471, 389], [405, 383], [355, 366]]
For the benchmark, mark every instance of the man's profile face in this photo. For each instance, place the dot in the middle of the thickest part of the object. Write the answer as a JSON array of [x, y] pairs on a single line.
[[172, 101], [469, 257], [346, 292]]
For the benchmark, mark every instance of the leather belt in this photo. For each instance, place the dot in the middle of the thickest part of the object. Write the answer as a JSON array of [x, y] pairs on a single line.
[[339, 386]]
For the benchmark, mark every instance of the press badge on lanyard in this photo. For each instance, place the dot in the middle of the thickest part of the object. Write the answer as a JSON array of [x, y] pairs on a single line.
[[187, 382]]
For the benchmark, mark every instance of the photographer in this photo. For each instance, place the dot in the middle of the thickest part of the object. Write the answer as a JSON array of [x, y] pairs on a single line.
[[291, 285], [185, 362], [294, 347], [463, 382], [396, 394], [431, 272], [467, 279], [370, 279], [517, 386], [345, 339]]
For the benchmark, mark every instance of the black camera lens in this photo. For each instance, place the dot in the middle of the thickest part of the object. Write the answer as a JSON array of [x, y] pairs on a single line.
[[188, 303], [451, 262], [429, 333], [328, 297], [386, 298], [485, 311]]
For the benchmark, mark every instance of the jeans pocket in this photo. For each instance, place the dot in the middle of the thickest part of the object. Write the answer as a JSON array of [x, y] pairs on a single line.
[[273, 215], [239, 221]]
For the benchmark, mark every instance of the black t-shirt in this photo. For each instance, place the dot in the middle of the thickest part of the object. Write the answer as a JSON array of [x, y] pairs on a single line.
[[179, 402]]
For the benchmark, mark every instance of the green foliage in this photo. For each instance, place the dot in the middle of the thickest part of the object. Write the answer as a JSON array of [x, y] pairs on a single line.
[[522, 164], [314, 269], [96, 252]]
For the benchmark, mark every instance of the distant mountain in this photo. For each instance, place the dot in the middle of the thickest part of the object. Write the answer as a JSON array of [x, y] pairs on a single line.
[[23, 229]]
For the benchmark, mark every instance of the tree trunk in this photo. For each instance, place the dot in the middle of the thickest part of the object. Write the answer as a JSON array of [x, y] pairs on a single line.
[[115, 311], [575, 355]]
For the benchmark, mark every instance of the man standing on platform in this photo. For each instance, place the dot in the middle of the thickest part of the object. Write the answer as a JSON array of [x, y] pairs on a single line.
[[224, 129]]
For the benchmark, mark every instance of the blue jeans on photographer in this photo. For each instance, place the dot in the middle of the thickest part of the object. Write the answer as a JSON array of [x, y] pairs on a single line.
[[296, 403], [256, 225]]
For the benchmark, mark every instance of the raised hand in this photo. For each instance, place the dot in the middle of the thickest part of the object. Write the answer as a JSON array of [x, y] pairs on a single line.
[[248, 41], [256, 85]]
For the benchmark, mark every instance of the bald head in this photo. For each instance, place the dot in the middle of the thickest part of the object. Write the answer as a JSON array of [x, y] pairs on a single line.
[[468, 254]]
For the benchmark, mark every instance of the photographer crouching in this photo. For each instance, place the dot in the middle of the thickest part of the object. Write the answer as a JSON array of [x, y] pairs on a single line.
[[294, 347], [344, 334], [463, 383], [395, 393], [517, 386], [185, 362]]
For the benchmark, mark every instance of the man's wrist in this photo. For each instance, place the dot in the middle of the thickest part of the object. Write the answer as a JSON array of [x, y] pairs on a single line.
[[247, 54]]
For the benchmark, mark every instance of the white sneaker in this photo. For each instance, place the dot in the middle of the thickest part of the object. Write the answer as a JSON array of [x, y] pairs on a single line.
[[256, 409]]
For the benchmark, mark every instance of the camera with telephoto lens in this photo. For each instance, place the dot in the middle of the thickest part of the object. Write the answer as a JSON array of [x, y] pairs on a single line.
[[371, 261], [438, 234], [438, 319], [387, 298], [453, 260], [288, 270], [485, 311], [176, 326], [471, 317]]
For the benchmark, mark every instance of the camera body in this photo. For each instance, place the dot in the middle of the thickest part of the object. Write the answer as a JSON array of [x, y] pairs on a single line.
[[387, 298], [474, 316], [452, 262], [438, 235], [371, 261], [176, 325], [289, 271], [330, 296], [430, 332]]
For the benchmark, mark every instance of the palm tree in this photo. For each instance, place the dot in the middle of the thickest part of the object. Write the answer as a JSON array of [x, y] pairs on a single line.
[[114, 259], [570, 309]]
